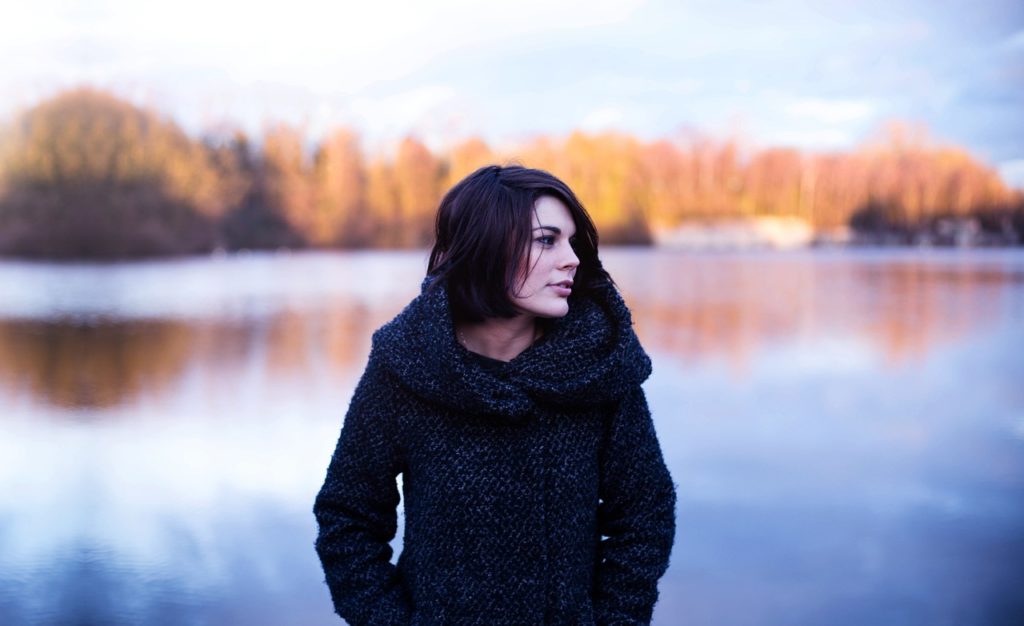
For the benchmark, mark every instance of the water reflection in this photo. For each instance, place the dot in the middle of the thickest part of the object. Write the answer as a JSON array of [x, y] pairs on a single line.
[[92, 365], [696, 306], [690, 307], [846, 430]]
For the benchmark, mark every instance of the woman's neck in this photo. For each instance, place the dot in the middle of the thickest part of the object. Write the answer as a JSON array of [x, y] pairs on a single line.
[[499, 338]]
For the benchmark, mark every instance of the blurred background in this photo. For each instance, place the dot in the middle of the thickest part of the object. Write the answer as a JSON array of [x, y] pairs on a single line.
[[814, 209]]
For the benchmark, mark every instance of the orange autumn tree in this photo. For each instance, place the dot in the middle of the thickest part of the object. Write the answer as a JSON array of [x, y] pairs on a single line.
[[464, 158], [287, 180], [606, 173], [340, 181], [86, 174], [417, 175], [89, 175]]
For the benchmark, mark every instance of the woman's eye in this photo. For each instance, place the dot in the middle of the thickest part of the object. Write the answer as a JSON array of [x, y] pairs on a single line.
[[546, 240]]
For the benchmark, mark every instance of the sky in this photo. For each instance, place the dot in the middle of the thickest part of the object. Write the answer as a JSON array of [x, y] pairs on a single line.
[[821, 75]]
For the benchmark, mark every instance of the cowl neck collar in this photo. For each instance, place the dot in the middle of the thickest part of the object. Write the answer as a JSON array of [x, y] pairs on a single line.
[[587, 358]]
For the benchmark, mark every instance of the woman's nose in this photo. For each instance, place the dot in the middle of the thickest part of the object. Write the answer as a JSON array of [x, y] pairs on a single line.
[[570, 260]]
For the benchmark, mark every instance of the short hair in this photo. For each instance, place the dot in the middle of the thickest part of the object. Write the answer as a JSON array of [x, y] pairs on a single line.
[[485, 223]]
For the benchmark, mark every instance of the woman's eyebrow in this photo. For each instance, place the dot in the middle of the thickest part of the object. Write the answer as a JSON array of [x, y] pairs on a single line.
[[554, 229]]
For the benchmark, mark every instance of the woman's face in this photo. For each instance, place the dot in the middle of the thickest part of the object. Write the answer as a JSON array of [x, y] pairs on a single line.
[[549, 264]]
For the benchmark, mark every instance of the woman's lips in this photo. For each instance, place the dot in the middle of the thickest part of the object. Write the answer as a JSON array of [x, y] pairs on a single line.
[[560, 290]]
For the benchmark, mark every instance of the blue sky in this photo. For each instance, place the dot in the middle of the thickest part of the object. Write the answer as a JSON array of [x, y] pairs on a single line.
[[817, 75]]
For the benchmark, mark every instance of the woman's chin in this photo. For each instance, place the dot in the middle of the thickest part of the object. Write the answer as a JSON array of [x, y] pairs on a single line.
[[558, 311], [551, 309]]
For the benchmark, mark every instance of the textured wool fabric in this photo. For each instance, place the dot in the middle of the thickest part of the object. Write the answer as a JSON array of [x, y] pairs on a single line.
[[535, 490]]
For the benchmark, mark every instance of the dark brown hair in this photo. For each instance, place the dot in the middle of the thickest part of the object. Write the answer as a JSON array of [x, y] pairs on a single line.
[[483, 226]]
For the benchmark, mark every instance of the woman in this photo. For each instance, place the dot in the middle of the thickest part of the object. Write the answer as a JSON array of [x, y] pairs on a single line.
[[507, 395]]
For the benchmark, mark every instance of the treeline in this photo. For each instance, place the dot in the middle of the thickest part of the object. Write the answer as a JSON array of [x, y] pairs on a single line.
[[89, 175]]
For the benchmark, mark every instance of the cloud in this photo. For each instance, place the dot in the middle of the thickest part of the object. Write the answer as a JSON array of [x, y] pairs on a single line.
[[602, 118], [356, 43], [831, 111], [809, 137], [1012, 173], [435, 113], [817, 74]]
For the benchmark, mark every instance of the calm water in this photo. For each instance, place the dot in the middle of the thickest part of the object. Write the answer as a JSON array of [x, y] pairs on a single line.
[[846, 430]]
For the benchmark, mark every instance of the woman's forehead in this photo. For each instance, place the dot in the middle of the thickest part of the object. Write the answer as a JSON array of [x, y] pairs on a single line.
[[550, 211]]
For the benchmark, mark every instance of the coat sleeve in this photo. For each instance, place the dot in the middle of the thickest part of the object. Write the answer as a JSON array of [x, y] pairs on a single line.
[[356, 510], [636, 517]]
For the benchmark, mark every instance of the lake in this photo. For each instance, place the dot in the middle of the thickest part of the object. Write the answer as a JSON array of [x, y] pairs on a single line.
[[845, 427]]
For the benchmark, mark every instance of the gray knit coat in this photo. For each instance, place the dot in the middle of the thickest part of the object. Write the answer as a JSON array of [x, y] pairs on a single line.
[[535, 490]]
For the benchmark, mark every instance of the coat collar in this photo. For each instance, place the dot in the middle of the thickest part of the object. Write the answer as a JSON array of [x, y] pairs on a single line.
[[589, 357]]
